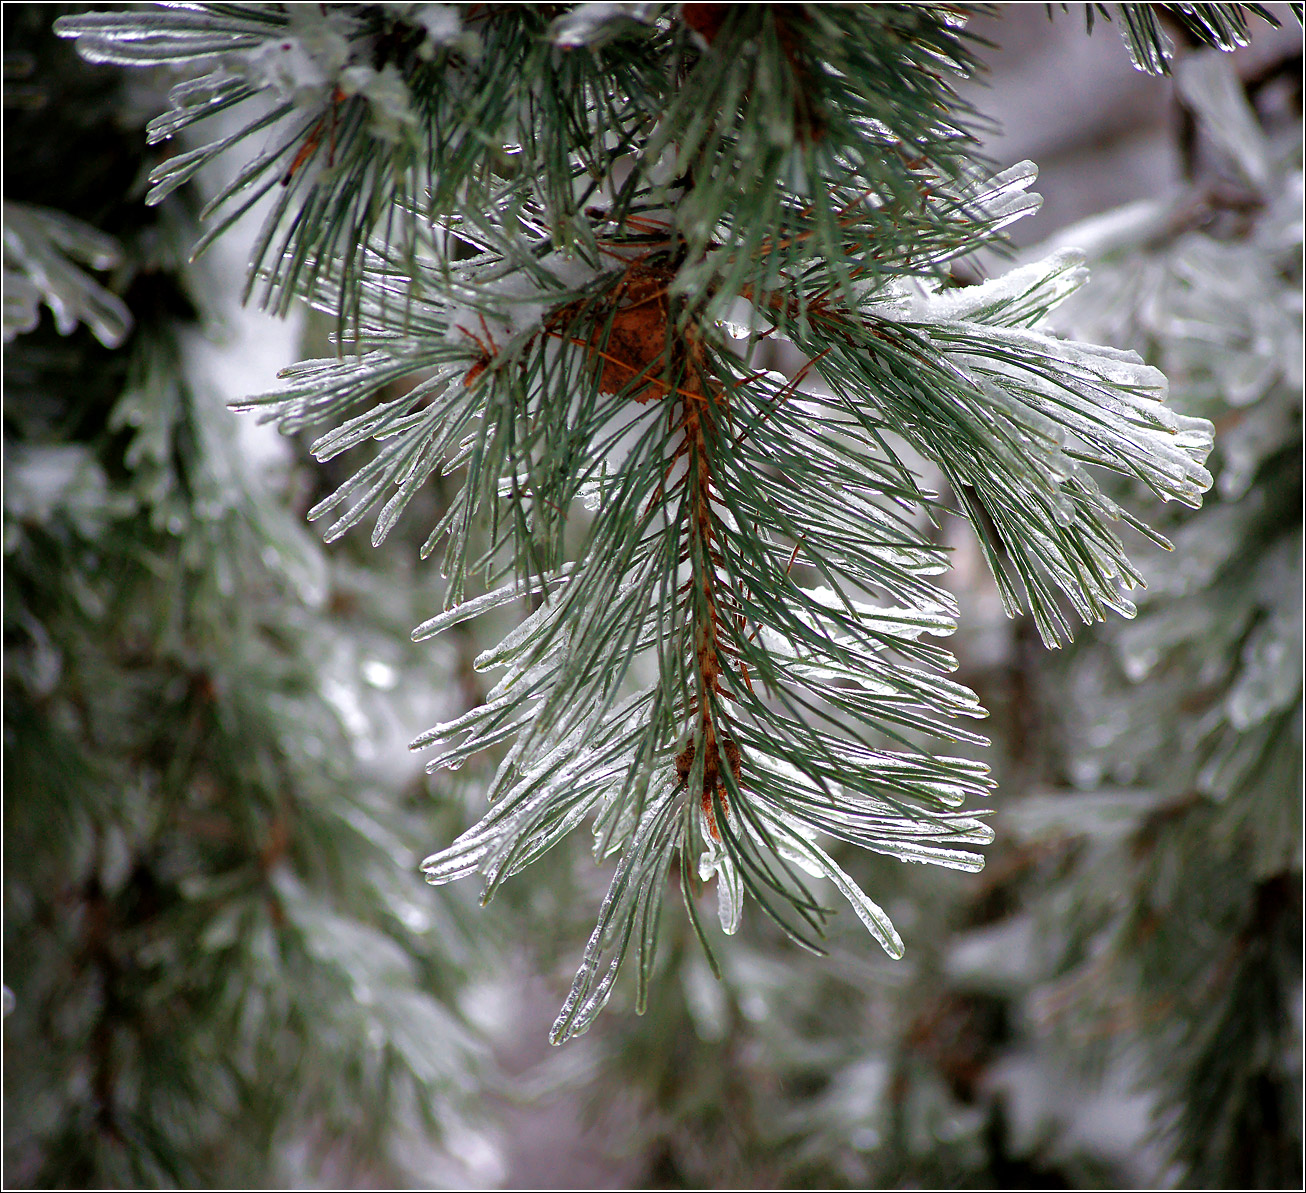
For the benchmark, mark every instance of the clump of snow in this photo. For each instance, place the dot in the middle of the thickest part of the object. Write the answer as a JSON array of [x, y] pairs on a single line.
[[594, 24], [387, 95], [306, 58], [442, 23]]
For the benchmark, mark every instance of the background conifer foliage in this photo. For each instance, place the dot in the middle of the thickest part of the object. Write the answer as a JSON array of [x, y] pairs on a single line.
[[678, 365]]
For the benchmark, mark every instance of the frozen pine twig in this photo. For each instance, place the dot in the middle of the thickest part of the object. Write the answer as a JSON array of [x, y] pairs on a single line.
[[534, 231]]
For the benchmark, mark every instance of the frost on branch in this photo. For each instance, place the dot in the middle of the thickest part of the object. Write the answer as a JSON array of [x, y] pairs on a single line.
[[730, 665], [40, 251]]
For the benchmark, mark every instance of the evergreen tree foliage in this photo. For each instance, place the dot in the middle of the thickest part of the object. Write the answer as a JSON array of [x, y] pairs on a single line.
[[546, 226], [552, 241], [1136, 948], [1196, 706], [212, 953]]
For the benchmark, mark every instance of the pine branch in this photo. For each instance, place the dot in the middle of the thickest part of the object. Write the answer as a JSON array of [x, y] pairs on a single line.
[[726, 659], [210, 951]]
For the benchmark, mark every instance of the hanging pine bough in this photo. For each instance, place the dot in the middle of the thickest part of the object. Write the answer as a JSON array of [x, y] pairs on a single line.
[[549, 228]]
